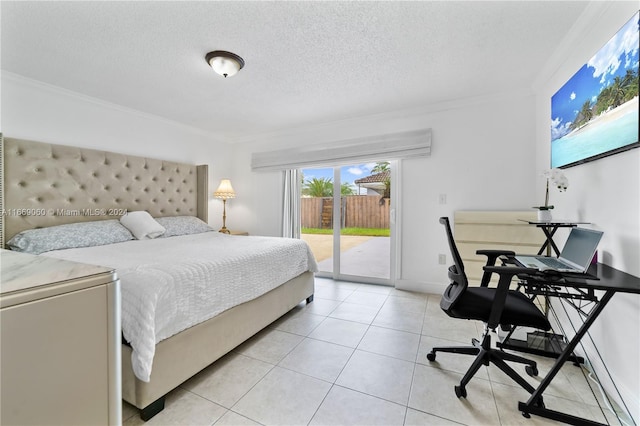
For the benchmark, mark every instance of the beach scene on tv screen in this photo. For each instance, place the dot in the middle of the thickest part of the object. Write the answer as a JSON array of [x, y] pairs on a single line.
[[596, 111]]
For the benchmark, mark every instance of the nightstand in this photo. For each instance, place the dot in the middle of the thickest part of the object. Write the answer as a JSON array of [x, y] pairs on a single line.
[[245, 233], [60, 342]]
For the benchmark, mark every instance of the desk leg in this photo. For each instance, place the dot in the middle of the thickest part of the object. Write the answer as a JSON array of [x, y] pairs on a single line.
[[549, 232], [532, 406]]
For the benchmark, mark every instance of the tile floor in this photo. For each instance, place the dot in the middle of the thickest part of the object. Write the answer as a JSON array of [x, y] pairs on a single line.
[[357, 356]]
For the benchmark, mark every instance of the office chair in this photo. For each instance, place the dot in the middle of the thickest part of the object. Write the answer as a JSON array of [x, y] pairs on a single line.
[[493, 306]]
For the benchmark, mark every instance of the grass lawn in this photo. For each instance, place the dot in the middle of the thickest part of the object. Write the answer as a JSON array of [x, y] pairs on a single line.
[[373, 232]]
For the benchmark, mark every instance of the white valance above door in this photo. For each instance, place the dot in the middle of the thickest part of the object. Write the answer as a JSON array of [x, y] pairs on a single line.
[[395, 146]]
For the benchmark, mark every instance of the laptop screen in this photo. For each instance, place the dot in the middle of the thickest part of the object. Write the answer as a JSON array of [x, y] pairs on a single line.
[[581, 246]]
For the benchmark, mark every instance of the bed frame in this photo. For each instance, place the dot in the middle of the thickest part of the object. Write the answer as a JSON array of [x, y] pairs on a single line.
[[55, 185]]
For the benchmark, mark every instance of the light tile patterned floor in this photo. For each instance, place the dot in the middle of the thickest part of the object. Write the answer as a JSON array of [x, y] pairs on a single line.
[[357, 356]]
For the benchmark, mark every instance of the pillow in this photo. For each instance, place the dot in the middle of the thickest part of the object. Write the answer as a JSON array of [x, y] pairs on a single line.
[[182, 225], [73, 235], [142, 225]]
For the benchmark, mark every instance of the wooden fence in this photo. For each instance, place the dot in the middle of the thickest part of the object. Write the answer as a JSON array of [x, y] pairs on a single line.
[[358, 211]]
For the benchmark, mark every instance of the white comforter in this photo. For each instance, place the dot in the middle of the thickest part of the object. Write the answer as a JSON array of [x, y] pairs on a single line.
[[171, 284]]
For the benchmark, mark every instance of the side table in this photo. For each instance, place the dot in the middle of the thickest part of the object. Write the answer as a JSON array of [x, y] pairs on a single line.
[[549, 228], [60, 351]]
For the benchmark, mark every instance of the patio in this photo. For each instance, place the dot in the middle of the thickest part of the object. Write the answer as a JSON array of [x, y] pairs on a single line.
[[360, 255]]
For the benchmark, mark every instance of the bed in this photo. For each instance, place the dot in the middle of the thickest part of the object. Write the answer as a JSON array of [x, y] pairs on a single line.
[[53, 185]]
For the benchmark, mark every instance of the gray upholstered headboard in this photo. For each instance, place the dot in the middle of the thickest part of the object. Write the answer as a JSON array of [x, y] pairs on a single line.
[[46, 185]]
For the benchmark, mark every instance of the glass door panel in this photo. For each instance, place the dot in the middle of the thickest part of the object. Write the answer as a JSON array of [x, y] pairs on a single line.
[[364, 221], [345, 216], [317, 215]]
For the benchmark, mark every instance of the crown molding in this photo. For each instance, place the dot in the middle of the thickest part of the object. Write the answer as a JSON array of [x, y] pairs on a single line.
[[60, 91]]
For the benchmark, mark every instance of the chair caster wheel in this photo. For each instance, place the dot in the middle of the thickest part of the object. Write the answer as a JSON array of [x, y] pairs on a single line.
[[431, 356], [527, 415], [531, 370], [461, 391]]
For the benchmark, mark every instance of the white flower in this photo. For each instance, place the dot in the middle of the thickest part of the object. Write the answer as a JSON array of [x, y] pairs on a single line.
[[558, 178]]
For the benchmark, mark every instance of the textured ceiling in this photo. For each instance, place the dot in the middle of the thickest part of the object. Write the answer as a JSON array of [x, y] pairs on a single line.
[[306, 62]]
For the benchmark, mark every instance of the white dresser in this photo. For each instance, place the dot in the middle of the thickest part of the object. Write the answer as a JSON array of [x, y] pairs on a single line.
[[59, 342]]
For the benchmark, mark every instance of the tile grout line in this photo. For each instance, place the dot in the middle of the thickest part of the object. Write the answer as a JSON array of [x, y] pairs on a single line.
[[415, 363], [333, 384], [369, 325]]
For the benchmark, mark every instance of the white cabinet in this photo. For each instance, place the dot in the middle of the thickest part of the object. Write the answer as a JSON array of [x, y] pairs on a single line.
[[59, 342]]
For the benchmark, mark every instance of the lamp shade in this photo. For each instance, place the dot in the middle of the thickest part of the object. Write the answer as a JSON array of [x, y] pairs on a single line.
[[225, 190], [224, 63]]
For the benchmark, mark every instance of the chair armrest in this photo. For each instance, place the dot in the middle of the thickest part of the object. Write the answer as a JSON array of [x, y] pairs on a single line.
[[511, 270], [506, 274], [496, 252], [492, 255]]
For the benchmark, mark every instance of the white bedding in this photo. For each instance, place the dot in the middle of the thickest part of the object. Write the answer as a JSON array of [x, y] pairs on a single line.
[[171, 284]]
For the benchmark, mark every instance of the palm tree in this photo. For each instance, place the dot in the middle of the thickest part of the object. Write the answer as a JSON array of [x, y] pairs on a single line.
[[318, 187], [347, 189], [628, 77], [618, 91], [630, 85], [584, 115], [381, 166], [323, 187], [585, 112]]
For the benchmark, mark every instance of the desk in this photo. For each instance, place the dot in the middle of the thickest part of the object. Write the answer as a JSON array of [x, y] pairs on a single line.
[[611, 281], [549, 228]]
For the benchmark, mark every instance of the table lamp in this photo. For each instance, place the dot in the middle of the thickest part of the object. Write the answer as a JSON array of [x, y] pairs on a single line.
[[225, 191]]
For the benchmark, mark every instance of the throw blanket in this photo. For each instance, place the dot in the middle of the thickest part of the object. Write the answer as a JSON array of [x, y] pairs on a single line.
[[171, 284]]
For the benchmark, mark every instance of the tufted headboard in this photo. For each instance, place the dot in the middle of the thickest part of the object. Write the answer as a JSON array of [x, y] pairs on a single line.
[[46, 185]]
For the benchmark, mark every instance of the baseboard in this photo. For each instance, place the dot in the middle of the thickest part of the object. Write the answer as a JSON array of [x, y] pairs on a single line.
[[627, 395], [630, 397]]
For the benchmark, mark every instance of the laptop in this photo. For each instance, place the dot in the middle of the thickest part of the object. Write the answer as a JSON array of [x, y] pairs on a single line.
[[576, 254]]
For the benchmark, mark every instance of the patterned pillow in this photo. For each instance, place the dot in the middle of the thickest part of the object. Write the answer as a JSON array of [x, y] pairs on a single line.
[[182, 225], [73, 235]]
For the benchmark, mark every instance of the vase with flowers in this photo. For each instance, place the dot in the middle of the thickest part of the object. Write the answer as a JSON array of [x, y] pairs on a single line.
[[560, 181]]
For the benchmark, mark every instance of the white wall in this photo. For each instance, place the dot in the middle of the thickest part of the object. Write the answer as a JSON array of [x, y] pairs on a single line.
[[39, 112], [482, 159], [606, 193]]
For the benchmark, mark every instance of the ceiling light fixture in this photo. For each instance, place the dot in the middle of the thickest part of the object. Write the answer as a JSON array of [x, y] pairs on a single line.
[[224, 63]]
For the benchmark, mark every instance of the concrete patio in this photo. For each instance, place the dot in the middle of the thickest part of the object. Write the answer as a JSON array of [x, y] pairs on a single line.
[[360, 255]]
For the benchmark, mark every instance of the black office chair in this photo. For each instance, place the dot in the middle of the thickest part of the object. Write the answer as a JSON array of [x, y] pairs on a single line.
[[493, 306]]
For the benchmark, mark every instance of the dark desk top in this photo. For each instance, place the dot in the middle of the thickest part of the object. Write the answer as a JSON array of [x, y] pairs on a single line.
[[608, 278], [611, 279]]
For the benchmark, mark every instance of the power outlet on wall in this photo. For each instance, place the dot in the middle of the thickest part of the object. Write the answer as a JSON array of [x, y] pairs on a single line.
[[442, 259]]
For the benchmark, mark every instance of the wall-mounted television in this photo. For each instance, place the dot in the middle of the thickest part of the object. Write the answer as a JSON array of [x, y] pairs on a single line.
[[595, 114]]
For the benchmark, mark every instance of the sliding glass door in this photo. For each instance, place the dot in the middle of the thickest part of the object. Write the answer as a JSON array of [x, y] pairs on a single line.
[[346, 219], [316, 215]]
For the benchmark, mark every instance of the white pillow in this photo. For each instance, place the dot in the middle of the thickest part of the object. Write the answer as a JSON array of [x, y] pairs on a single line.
[[142, 225]]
